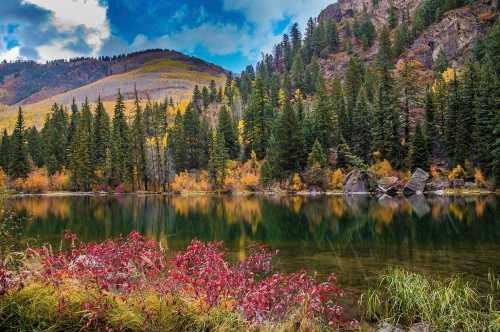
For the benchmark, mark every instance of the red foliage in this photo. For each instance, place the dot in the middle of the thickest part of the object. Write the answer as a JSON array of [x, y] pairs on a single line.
[[201, 271]]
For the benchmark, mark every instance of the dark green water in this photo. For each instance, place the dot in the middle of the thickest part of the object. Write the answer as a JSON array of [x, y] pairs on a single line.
[[356, 238]]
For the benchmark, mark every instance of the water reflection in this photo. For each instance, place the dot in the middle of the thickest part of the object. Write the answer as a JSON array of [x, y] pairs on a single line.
[[354, 236]]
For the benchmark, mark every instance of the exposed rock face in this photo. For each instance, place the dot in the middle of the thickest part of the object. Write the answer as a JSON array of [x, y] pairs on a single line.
[[388, 185], [416, 185], [455, 33], [441, 183], [356, 181]]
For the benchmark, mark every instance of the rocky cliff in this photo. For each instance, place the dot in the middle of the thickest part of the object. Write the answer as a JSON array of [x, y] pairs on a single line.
[[455, 33]]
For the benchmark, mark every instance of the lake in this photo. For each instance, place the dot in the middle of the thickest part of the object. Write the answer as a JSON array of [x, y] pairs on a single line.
[[356, 238]]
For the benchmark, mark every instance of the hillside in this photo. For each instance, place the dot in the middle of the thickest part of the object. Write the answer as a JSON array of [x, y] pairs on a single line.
[[454, 32], [156, 74]]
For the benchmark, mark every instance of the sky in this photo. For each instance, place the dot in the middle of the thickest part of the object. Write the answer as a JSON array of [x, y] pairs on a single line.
[[230, 33]]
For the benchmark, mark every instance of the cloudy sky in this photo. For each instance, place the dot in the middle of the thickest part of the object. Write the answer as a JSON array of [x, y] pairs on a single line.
[[231, 33]]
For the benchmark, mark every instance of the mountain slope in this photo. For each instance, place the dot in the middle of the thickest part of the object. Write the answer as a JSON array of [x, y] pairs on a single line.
[[454, 33], [28, 82], [155, 74]]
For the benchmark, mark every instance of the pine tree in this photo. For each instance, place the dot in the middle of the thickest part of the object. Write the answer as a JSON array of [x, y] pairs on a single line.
[[217, 159], [354, 73], [205, 97], [339, 112], [286, 154], [392, 16], [324, 125], [317, 155], [466, 116], [385, 57], [121, 163], [213, 91], [361, 129], [419, 154], [227, 127], [454, 104], [441, 63], [197, 98], [430, 123], [55, 134], [73, 122], [178, 143], [296, 39], [496, 151], [258, 118], [485, 117], [35, 146], [82, 163], [138, 146], [19, 164], [297, 73], [5, 151], [102, 138]]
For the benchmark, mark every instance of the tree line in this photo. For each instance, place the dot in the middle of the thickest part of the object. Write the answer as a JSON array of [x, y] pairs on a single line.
[[291, 119]]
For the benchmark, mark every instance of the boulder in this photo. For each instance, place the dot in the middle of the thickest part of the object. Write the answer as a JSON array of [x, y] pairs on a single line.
[[388, 185], [440, 183], [356, 182], [416, 185], [458, 183], [387, 327]]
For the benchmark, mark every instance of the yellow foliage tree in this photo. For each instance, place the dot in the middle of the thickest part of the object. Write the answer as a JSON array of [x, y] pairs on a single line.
[[296, 183], [456, 173], [479, 177], [336, 179], [382, 168]]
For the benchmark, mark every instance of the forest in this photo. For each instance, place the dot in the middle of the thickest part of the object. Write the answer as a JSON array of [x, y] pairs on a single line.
[[282, 124]]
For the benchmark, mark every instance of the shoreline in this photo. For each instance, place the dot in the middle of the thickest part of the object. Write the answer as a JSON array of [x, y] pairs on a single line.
[[453, 192]]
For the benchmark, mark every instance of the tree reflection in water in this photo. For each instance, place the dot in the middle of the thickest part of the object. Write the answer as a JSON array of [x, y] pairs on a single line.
[[356, 236]]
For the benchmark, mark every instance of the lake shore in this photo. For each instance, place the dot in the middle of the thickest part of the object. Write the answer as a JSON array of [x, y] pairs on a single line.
[[448, 192]]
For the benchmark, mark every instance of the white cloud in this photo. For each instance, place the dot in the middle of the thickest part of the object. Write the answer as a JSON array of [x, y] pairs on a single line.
[[11, 55], [69, 15], [217, 38], [264, 14]]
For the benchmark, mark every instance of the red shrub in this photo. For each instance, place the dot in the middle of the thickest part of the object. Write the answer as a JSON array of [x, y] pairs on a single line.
[[201, 271]]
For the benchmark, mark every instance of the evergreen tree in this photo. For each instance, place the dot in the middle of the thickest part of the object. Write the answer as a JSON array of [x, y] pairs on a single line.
[[121, 162], [297, 73], [430, 123], [441, 63], [419, 155], [138, 146], [82, 162], [205, 97], [258, 118], [286, 153], [5, 151], [296, 39], [339, 112], [19, 164], [176, 136], [102, 131], [323, 122], [213, 91], [392, 16], [227, 127], [35, 146], [385, 57], [454, 104], [317, 155], [354, 73], [217, 159], [496, 151], [197, 98], [55, 134], [466, 116], [73, 122], [485, 117], [361, 129], [196, 137]]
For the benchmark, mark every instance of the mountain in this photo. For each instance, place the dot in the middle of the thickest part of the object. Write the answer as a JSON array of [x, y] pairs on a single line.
[[155, 73], [453, 29]]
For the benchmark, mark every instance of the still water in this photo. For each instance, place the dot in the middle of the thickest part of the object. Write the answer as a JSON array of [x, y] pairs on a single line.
[[356, 238]]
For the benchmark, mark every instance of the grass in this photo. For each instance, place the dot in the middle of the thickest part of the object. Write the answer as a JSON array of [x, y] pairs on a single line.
[[406, 298]]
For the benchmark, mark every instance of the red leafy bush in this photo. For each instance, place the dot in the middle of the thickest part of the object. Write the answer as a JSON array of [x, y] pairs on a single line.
[[250, 288]]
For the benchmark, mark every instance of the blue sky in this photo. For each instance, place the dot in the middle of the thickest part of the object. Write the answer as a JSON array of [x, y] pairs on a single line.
[[231, 33]]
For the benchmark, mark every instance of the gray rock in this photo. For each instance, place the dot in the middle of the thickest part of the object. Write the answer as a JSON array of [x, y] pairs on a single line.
[[388, 185], [387, 327], [420, 327], [416, 185], [470, 185], [356, 181], [440, 183], [458, 183]]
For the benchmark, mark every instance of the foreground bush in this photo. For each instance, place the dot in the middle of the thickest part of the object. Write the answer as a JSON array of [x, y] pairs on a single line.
[[406, 298], [129, 285]]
